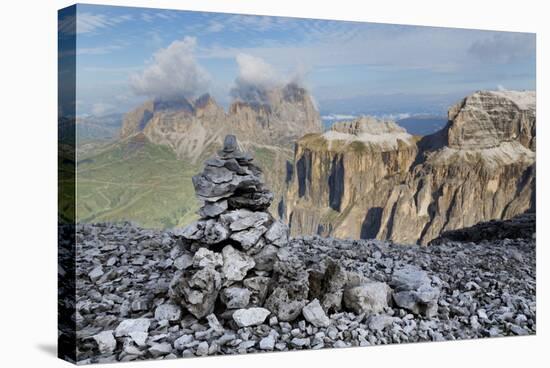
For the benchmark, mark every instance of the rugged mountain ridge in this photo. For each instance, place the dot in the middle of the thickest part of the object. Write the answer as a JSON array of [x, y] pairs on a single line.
[[370, 179], [192, 128]]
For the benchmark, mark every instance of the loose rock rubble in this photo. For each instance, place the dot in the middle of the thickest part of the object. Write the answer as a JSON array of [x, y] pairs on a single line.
[[234, 283]]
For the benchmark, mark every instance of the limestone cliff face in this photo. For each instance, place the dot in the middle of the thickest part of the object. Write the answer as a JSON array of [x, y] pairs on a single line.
[[336, 171], [367, 179]]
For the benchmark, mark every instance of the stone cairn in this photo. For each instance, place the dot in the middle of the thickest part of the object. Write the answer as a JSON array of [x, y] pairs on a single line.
[[242, 268], [235, 242]]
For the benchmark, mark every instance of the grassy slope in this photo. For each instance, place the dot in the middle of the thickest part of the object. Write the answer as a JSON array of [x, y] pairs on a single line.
[[146, 183], [141, 182], [65, 183]]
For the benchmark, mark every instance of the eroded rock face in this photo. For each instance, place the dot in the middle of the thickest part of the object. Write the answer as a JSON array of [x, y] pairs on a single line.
[[370, 179]]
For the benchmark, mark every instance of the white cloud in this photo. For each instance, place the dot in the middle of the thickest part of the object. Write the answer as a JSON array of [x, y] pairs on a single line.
[[101, 108], [504, 47], [100, 50], [255, 77], [215, 26], [146, 17], [254, 70], [86, 22], [173, 72], [321, 45]]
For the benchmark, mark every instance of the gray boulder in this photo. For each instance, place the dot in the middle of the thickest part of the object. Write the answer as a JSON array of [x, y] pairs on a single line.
[[258, 200], [242, 219], [207, 231], [413, 291], [371, 297], [235, 264], [168, 311], [197, 292], [213, 209], [328, 286], [258, 286], [250, 317], [106, 342], [285, 308], [207, 258], [266, 258], [277, 234], [128, 326], [235, 297], [248, 238], [314, 314]]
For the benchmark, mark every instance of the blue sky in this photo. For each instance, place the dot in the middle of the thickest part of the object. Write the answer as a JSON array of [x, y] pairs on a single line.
[[127, 55]]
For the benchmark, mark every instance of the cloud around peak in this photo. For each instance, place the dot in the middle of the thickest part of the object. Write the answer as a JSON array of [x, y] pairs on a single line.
[[257, 77], [173, 73]]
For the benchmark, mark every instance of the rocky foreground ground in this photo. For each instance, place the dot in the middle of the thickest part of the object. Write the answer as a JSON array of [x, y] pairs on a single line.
[[471, 290]]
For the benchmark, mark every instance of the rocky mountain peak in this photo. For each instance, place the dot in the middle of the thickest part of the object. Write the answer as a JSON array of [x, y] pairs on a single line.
[[385, 134], [176, 104], [486, 119], [292, 92], [279, 115], [204, 100], [367, 125]]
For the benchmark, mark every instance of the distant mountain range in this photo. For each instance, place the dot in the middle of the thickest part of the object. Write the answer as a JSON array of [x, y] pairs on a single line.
[[421, 124], [362, 177], [161, 144], [386, 105], [93, 128]]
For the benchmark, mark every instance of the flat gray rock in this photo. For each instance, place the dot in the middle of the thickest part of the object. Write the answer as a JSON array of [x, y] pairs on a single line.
[[235, 297], [370, 297], [106, 342], [277, 234], [235, 264], [213, 209], [132, 325], [206, 258], [248, 238], [250, 317], [169, 312], [314, 314]]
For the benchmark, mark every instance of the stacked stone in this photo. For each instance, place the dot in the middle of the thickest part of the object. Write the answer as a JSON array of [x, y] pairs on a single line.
[[235, 242]]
